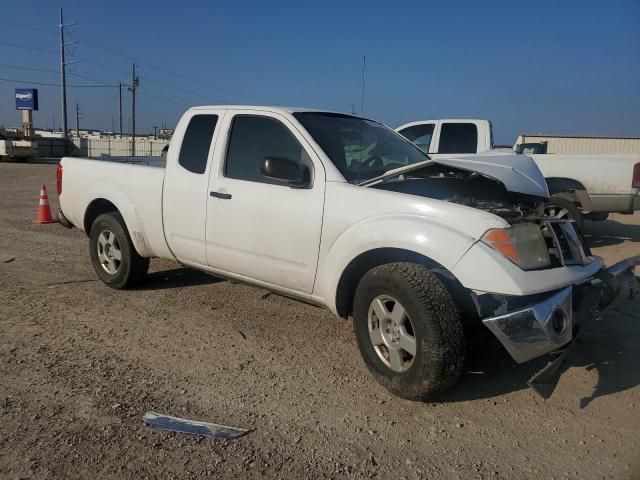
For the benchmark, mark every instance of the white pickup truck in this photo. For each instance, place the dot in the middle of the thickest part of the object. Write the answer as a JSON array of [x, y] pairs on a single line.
[[344, 213], [580, 185]]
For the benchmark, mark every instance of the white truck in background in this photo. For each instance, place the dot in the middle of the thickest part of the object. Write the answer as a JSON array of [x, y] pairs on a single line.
[[13, 149], [344, 213], [589, 186]]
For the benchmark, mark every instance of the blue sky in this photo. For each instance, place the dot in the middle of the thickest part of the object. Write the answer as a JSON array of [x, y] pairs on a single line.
[[559, 67]]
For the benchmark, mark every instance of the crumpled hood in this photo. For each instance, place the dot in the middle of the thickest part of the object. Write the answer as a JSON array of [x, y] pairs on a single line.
[[518, 173]]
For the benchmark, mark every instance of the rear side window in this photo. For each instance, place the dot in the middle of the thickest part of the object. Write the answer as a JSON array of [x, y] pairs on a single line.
[[255, 138], [420, 135], [458, 138], [196, 142]]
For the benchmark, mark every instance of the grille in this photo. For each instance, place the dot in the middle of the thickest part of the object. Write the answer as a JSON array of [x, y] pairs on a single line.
[[565, 245]]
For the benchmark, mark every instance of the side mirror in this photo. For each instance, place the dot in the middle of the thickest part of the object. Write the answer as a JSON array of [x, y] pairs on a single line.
[[286, 170]]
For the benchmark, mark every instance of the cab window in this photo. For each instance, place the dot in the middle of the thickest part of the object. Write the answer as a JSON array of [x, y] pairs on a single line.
[[458, 138], [420, 135], [194, 150], [255, 138]]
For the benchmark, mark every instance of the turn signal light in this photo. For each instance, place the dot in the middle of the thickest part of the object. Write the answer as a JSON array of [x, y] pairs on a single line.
[[502, 242]]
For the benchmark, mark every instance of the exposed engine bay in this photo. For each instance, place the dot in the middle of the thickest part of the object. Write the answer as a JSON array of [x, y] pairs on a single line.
[[473, 189]]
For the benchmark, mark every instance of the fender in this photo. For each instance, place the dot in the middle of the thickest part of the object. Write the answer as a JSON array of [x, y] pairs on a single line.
[[483, 269], [106, 189], [570, 189], [408, 232]]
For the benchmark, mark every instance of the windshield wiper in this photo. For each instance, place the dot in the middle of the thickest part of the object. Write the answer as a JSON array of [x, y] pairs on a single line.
[[394, 173]]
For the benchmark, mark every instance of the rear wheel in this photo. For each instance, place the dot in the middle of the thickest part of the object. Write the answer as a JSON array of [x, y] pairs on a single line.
[[113, 255], [408, 330]]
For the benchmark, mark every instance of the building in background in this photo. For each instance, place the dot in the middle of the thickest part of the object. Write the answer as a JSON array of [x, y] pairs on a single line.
[[576, 145]]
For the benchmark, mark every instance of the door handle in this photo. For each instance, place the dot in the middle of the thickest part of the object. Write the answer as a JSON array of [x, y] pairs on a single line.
[[224, 196]]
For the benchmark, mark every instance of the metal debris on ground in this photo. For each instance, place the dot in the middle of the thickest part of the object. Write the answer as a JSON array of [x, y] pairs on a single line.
[[158, 421]]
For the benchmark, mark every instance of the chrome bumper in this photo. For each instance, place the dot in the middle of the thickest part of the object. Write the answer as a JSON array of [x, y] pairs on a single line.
[[550, 324]]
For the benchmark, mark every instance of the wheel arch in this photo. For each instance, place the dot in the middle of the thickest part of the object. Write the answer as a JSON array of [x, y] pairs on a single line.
[[570, 189], [101, 205], [370, 259], [96, 208]]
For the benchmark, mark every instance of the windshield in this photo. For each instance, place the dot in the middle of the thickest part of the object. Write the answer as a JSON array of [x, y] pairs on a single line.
[[361, 149]]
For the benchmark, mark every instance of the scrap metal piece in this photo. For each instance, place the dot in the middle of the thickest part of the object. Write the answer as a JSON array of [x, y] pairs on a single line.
[[545, 381], [158, 421]]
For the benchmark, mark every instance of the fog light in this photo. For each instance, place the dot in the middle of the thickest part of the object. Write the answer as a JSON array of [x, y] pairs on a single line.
[[559, 321]]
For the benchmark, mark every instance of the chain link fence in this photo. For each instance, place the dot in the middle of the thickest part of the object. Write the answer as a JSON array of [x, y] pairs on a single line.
[[101, 147]]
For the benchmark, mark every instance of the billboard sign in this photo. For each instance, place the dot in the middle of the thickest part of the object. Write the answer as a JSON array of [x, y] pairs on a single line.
[[26, 99]]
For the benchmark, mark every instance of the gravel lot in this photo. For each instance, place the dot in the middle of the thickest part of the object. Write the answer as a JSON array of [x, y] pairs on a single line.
[[81, 363]]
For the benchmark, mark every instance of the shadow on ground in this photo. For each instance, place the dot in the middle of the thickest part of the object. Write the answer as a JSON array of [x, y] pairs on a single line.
[[606, 346], [610, 232], [177, 278]]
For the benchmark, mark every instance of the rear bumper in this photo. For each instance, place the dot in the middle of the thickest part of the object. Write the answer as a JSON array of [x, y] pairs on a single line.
[[551, 323]]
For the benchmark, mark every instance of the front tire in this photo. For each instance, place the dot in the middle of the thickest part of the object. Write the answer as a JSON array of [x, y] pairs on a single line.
[[113, 255], [408, 330]]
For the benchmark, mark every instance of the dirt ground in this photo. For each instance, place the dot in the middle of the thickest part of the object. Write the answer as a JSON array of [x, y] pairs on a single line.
[[81, 363]]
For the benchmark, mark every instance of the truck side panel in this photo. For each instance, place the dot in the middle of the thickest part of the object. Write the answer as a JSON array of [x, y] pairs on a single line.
[[607, 178], [135, 190]]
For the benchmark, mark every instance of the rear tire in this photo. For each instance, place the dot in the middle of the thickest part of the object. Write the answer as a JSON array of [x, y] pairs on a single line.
[[113, 255], [416, 350]]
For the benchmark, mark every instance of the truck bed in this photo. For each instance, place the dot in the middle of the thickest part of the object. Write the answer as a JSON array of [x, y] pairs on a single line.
[[607, 178], [132, 184]]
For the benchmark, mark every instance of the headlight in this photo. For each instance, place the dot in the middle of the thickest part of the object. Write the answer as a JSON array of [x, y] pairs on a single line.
[[523, 244]]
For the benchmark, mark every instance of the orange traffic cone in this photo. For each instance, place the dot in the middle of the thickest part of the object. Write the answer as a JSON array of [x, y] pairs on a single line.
[[44, 210]]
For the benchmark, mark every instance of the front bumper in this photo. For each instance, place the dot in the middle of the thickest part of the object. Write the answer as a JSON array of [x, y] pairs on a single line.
[[551, 323]]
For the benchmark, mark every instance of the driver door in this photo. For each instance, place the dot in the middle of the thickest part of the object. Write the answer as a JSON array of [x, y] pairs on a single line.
[[257, 228]]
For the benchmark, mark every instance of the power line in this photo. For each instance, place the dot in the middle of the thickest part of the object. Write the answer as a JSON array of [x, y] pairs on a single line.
[[92, 80], [99, 64], [182, 104], [27, 47], [129, 57], [54, 84], [20, 67], [162, 69], [13, 24], [147, 79]]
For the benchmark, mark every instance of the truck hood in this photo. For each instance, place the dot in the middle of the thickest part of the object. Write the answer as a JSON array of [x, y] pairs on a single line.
[[518, 173]]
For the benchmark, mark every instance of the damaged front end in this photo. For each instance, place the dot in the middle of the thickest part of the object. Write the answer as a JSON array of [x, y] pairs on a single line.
[[544, 256], [550, 323]]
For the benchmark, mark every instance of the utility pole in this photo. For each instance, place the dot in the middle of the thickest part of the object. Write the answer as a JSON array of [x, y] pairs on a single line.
[[77, 120], [364, 67], [133, 88], [120, 104], [63, 73]]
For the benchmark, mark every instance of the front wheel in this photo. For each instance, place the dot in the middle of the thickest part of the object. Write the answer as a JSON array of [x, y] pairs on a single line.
[[113, 255], [408, 330]]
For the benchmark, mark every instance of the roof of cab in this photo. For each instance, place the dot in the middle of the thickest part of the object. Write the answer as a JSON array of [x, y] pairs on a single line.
[[264, 108]]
